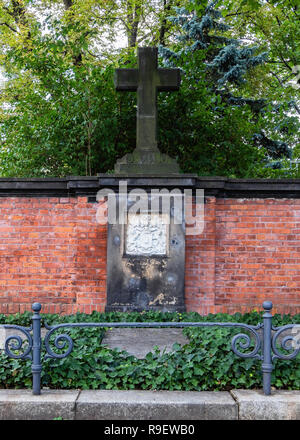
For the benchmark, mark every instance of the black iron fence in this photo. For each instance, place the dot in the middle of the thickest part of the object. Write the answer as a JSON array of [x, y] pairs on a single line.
[[268, 341]]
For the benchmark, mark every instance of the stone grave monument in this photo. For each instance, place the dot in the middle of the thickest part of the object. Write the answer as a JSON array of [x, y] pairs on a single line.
[[147, 80], [146, 251]]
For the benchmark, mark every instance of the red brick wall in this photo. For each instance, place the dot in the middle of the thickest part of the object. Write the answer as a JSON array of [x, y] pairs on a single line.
[[51, 250], [54, 251], [249, 252]]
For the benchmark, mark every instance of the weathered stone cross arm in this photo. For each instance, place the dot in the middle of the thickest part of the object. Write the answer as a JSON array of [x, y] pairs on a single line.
[[127, 80]]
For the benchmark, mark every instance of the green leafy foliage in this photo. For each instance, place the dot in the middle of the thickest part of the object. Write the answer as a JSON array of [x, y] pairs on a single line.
[[235, 131], [207, 136], [207, 362], [60, 114]]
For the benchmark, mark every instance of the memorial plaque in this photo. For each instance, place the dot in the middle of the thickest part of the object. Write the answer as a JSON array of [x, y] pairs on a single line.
[[146, 261], [147, 234]]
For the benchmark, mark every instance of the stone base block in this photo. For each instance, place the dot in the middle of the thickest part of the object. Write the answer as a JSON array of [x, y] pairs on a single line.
[[281, 405], [146, 162], [23, 405]]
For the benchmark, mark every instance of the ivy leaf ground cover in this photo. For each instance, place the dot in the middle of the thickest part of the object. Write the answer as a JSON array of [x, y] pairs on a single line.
[[207, 362]]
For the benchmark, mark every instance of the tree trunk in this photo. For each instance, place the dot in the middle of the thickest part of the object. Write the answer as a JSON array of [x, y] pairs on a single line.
[[163, 27], [133, 18], [68, 4], [167, 5]]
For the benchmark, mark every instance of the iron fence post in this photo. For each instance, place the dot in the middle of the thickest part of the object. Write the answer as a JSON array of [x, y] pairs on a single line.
[[267, 365], [36, 366]]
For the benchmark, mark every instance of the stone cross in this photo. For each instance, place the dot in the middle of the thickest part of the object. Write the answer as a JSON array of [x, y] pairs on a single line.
[[147, 80]]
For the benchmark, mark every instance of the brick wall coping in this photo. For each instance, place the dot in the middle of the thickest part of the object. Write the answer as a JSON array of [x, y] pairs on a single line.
[[220, 187]]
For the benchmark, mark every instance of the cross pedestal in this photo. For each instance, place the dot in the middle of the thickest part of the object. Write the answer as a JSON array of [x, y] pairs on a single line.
[[147, 80]]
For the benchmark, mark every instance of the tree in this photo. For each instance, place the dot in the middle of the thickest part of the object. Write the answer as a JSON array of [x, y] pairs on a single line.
[[60, 113], [274, 26], [227, 66]]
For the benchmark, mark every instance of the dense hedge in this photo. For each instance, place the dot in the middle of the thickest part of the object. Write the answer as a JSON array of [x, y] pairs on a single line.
[[206, 363]]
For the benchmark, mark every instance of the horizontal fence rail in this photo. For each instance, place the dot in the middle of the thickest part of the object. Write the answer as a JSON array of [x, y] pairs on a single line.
[[265, 346]]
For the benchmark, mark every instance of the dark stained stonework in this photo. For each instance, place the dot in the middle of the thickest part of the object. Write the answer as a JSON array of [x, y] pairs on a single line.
[[146, 282], [81, 186], [146, 162]]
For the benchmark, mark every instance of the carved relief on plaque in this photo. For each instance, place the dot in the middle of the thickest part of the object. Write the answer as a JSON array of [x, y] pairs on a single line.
[[147, 234]]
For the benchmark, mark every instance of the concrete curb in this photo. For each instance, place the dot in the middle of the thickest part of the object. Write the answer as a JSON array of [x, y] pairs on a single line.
[[149, 405], [155, 405], [23, 405], [254, 405]]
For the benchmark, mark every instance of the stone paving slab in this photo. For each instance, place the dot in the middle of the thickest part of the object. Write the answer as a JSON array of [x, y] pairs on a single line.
[[140, 341], [155, 405], [5, 333], [281, 405], [23, 405]]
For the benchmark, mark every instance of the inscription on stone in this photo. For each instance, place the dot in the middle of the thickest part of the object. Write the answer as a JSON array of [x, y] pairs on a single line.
[[147, 234]]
